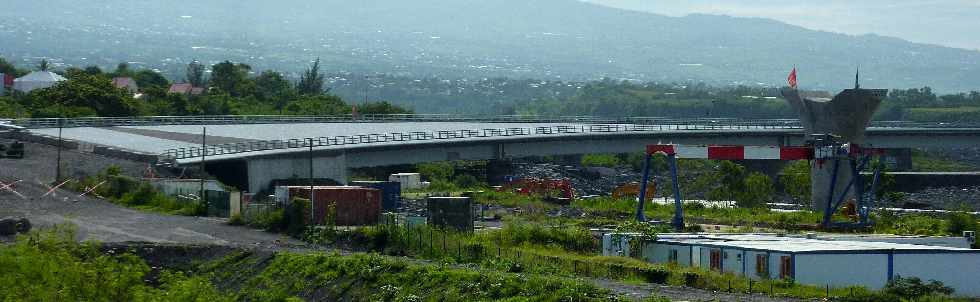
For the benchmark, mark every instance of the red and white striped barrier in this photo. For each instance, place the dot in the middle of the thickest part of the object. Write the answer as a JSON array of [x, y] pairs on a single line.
[[733, 152], [760, 152]]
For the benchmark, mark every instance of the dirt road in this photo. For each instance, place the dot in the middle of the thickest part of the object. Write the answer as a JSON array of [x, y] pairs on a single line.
[[103, 221]]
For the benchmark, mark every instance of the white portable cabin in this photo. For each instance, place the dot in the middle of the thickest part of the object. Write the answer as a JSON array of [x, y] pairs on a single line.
[[819, 262], [408, 181]]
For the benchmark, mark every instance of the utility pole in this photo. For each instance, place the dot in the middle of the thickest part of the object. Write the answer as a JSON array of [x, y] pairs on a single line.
[[204, 151], [312, 208], [57, 172]]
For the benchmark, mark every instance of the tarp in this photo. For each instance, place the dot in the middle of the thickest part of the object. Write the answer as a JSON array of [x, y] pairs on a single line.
[[37, 80]]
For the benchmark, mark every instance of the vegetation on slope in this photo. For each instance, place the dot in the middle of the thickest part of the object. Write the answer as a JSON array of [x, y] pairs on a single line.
[[52, 266]]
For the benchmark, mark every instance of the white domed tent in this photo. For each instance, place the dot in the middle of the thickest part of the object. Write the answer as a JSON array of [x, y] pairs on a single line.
[[37, 80]]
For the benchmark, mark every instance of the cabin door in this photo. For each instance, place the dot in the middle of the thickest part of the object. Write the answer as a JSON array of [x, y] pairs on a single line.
[[716, 259]]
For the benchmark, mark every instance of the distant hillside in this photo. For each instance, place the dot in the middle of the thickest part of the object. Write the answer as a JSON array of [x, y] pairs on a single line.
[[548, 39]]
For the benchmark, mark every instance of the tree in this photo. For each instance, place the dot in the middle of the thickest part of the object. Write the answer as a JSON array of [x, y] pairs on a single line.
[[44, 65], [122, 70], [232, 78], [10, 69], [732, 177], [93, 70], [9, 108], [758, 191], [195, 74], [795, 179], [311, 83], [382, 107], [82, 95], [147, 79], [317, 105], [272, 87], [437, 171]]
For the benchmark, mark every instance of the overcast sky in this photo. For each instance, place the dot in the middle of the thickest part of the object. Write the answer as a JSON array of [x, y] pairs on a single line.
[[954, 23]]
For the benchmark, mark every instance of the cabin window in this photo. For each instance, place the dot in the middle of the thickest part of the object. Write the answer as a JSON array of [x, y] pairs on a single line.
[[762, 265]]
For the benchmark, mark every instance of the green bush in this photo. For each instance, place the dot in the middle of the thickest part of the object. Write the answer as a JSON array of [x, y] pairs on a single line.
[[296, 215], [267, 220], [914, 288], [50, 265], [960, 222], [467, 181], [601, 160], [572, 238]]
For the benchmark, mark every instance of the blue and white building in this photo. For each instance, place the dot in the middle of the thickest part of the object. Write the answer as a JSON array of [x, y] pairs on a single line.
[[838, 263]]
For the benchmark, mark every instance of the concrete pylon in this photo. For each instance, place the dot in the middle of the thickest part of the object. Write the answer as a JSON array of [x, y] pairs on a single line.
[[846, 116]]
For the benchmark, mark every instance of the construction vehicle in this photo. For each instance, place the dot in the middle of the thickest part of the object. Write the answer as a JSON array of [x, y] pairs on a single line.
[[12, 150], [632, 191], [557, 191]]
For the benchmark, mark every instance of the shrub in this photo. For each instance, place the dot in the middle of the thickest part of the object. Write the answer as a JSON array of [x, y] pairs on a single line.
[[959, 222], [236, 219], [914, 288], [601, 160], [467, 181]]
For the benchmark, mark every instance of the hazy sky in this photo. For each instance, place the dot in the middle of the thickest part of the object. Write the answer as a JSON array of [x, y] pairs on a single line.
[[953, 23]]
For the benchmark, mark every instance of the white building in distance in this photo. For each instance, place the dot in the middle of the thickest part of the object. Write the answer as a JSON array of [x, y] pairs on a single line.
[[37, 80]]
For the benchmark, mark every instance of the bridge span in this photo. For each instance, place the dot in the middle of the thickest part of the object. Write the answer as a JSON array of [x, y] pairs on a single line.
[[268, 148]]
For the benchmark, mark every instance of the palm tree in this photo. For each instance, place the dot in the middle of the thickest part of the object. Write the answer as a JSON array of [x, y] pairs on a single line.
[[43, 66]]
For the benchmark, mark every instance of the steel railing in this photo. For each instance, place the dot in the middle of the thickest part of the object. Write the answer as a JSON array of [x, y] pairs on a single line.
[[720, 123], [419, 136]]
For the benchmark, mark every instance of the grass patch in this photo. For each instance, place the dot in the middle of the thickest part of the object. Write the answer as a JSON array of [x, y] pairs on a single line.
[[130, 192], [51, 266], [362, 277], [924, 162]]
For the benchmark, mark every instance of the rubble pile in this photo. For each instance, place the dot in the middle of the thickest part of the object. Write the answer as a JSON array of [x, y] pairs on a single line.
[[944, 198], [586, 180]]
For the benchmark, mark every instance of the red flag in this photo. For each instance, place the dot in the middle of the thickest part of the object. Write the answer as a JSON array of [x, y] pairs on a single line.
[[792, 79]]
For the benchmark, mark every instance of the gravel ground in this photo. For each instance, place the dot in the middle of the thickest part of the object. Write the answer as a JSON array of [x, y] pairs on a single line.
[[103, 221]]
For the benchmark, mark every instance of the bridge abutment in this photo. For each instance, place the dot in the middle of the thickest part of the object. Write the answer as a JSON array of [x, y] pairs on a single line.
[[263, 171]]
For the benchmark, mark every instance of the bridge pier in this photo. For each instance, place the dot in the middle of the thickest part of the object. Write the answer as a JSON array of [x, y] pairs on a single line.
[[845, 117]]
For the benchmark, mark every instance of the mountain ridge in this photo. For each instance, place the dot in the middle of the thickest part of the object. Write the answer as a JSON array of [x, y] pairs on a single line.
[[548, 39]]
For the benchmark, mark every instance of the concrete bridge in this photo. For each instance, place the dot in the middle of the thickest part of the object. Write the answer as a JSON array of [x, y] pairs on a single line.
[[254, 150]]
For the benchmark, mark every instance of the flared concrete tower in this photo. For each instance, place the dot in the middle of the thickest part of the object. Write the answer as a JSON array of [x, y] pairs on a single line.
[[846, 116]]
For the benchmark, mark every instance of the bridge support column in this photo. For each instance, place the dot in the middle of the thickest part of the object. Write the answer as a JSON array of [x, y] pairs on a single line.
[[845, 117], [262, 171]]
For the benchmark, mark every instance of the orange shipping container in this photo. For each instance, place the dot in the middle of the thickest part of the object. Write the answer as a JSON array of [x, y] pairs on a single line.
[[352, 205]]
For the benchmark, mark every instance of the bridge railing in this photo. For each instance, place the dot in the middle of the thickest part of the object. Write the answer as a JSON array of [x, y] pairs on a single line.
[[683, 123], [395, 137]]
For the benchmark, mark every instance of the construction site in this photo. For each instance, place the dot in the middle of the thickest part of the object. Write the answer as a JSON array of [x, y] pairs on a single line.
[[726, 213]]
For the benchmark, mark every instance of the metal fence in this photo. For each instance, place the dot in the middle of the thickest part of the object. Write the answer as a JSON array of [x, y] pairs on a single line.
[[39, 123]]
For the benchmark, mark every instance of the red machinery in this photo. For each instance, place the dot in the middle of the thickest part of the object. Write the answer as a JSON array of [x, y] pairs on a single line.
[[552, 190]]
